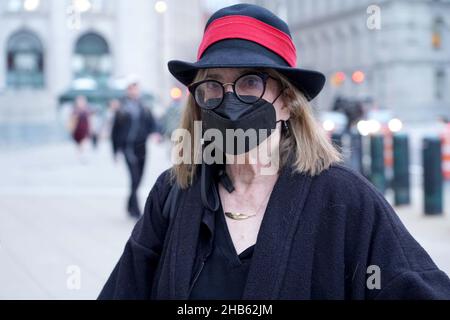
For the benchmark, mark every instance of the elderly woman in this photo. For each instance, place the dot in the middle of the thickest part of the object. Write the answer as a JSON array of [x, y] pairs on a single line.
[[236, 226]]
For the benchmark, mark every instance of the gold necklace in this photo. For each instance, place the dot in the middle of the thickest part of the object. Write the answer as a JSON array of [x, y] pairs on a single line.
[[243, 216], [238, 216]]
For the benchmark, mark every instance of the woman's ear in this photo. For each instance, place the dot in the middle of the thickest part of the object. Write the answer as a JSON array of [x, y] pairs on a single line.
[[285, 111], [284, 99]]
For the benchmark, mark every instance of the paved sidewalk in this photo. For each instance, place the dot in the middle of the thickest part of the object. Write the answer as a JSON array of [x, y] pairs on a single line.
[[432, 232], [59, 217]]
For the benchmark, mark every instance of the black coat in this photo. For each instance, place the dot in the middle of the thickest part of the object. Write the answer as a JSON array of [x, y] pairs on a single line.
[[318, 239], [122, 124]]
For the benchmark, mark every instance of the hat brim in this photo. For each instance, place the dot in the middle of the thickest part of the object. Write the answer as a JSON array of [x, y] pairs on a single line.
[[244, 54]]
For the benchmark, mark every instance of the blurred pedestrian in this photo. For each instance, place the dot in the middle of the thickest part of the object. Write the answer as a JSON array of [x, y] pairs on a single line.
[[113, 106], [80, 123], [95, 128], [133, 123]]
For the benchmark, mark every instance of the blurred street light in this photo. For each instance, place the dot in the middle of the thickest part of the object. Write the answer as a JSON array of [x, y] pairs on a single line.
[[395, 125], [363, 128], [328, 125], [436, 40], [338, 78], [374, 126], [358, 77], [176, 93], [82, 5], [160, 6], [31, 5], [366, 127]]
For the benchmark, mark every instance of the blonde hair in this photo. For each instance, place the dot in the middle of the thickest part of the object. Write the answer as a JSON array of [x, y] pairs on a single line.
[[312, 150]]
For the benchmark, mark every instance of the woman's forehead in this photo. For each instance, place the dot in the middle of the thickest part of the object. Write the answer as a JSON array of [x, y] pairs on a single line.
[[226, 73]]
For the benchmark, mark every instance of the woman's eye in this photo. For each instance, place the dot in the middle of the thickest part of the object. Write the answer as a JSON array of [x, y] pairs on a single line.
[[250, 83], [212, 86]]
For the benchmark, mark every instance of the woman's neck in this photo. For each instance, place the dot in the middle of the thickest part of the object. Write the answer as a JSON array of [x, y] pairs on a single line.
[[253, 169], [247, 176]]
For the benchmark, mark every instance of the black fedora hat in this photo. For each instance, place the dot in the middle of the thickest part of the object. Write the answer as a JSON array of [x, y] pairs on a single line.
[[248, 36]]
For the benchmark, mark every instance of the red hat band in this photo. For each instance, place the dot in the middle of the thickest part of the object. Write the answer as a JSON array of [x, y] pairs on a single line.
[[248, 28]]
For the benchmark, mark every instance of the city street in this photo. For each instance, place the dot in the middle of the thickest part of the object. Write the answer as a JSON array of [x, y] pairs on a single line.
[[62, 218]]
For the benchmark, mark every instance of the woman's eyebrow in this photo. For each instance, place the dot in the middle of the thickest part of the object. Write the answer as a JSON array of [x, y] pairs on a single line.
[[218, 76], [214, 76]]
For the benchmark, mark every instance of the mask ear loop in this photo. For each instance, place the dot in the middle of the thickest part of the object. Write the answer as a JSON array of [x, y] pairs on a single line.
[[284, 123], [279, 95]]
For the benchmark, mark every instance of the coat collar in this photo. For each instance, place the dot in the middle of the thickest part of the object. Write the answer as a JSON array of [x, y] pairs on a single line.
[[280, 222], [186, 232]]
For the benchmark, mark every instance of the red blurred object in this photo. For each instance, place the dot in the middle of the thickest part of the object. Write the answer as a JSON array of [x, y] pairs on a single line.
[[176, 93], [358, 76], [445, 138], [338, 78]]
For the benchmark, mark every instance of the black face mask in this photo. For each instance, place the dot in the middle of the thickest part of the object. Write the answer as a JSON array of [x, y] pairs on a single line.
[[235, 114]]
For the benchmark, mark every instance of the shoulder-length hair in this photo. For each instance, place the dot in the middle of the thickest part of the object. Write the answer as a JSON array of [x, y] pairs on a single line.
[[308, 143]]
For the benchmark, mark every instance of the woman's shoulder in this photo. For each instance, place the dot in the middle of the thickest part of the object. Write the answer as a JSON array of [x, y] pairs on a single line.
[[342, 184], [164, 181], [161, 188], [343, 176], [342, 173]]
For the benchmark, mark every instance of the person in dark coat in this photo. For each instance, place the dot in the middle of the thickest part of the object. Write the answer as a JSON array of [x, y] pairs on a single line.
[[300, 226], [133, 123]]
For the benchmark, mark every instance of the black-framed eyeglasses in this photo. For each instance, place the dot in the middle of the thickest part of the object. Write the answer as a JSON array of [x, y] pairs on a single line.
[[248, 88]]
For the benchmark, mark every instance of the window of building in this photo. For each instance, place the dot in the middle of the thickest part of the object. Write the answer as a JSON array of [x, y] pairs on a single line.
[[92, 58], [437, 33], [25, 61], [440, 85]]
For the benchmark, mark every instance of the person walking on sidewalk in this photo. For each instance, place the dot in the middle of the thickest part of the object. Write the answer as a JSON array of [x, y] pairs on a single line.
[[133, 123], [80, 124]]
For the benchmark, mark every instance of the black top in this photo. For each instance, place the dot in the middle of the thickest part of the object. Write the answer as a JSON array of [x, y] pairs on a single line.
[[224, 273]]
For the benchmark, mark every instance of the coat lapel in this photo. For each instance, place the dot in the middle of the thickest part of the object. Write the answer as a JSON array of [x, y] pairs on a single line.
[[186, 231], [276, 234], [270, 258]]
